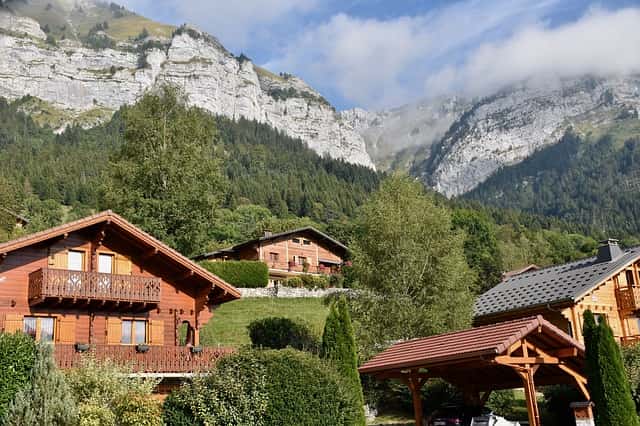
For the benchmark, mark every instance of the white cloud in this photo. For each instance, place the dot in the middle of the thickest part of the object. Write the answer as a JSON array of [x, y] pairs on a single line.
[[377, 63], [600, 43]]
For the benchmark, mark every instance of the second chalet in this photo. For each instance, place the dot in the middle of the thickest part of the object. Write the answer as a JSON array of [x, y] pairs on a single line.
[[608, 284], [101, 284], [299, 251]]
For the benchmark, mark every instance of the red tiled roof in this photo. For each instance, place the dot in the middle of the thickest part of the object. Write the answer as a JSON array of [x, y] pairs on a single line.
[[110, 217], [474, 343]]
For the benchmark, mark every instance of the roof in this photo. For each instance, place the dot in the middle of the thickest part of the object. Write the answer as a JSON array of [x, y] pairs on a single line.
[[321, 236], [555, 285], [112, 219], [466, 345], [528, 268]]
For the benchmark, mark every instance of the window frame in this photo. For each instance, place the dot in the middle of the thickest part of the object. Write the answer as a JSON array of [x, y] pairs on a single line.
[[295, 240], [273, 256], [306, 242], [132, 331], [38, 327]]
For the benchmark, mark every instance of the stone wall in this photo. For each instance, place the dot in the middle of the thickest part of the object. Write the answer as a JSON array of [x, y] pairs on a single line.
[[289, 292]]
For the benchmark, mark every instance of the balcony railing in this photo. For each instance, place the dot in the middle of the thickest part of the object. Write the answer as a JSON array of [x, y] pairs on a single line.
[[158, 359], [628, 298], [81, 285], [294, 267], [629, 340]]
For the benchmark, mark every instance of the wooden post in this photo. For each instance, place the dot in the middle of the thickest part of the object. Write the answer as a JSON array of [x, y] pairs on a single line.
[[530, 397], [415, 383]]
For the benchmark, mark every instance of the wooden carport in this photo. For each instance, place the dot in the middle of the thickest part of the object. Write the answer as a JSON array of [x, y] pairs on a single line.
[[479, 360]]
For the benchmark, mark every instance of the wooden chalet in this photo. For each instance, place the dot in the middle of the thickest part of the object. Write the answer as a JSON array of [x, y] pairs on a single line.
[[300, 251], [20, 220], [608, 284], [101, 284]]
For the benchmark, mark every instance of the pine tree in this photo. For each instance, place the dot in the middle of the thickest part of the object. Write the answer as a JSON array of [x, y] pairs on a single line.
[[608, 383], [47, 400], [339, 346]]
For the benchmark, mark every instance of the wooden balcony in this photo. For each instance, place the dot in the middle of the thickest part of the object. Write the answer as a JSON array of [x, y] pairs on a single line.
[[629, 340], [158, 359], [110, 290], [628, 298]]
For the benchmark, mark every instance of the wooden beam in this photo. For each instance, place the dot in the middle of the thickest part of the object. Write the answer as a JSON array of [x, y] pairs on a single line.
[[485, 397], [415, 383], [524, 360], [530, 397], [564, 352]]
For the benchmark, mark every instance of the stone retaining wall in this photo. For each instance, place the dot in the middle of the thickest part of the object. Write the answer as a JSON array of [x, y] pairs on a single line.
[[289, 292]]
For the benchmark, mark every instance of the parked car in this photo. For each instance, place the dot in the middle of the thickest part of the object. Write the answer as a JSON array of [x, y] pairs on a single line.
[[492, 420], [464, 416]]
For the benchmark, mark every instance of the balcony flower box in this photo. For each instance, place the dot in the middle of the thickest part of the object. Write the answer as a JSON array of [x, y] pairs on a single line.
[[82, 347]]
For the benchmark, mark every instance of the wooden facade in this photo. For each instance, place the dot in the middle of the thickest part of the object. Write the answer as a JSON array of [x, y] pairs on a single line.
[[103, 285], [289, 253], [615, 298]]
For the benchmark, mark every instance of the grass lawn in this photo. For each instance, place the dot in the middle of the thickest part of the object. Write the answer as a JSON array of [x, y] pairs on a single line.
[[228, 327]]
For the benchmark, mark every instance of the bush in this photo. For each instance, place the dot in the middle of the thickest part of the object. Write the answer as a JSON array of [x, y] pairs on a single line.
[[557, 401], [17, 356], [631, 360], [233, 394], [310, 282], [46, 400], [266, 388], [106, 396], [279, 333], [240, 273]]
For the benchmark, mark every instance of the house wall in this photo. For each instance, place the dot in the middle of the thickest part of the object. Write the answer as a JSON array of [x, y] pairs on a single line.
[[287, 250], [91, 325]]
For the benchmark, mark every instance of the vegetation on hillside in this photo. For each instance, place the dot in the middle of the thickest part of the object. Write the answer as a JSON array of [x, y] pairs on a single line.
[[590, 181]]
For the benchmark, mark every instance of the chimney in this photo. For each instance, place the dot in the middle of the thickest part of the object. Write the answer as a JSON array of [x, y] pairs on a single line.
[[608, 251], [267, 234]]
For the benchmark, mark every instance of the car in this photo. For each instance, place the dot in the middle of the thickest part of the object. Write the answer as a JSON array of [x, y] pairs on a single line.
[[492, 420], [453, 415]]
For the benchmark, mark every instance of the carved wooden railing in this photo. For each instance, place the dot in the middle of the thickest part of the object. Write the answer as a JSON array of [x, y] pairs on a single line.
[[157, 359], [628, 298], [629, 340], [84, 285]]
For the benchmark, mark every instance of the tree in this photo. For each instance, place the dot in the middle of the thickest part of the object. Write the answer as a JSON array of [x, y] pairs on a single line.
[[17, 356], [166, 177], [409, 266], [339, 346], [608, 383], [47, 399], [480, 247]]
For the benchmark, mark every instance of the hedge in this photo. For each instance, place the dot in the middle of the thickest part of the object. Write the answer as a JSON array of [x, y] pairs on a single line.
[[17, 357], [279, 333], [240, 273], [310, 282], [286, 387]]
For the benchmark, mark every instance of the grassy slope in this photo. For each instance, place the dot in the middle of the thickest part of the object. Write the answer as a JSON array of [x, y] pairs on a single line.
[[229, 324]]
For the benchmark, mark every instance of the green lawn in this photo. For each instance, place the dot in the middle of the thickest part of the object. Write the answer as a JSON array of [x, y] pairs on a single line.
[[228, 327]]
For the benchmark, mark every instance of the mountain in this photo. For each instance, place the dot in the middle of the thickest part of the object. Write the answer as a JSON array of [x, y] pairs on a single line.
[[82, 60], [454, 144]]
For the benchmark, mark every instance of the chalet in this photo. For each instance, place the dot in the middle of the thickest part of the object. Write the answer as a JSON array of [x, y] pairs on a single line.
[[608, 284], [20, 220], [300, 251], [103, 285]]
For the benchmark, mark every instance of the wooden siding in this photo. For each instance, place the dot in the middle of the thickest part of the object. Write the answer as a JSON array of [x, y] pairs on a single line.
[[182, 297]]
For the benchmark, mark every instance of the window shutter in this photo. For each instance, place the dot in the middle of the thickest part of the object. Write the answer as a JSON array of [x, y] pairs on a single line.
[[123, 265], [57, 258], [156, 332], [114, 331], [12, 323], [66, 329]]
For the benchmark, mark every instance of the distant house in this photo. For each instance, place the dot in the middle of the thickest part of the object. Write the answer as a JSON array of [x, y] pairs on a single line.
[[102, 284], [608, 284], [21, 221], [300, 251]]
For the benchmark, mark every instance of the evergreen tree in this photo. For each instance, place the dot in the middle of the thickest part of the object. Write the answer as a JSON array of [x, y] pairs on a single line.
[[46, 400], [339, 346], [608, 383]]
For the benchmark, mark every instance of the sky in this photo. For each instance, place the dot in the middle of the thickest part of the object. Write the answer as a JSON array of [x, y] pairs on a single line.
[[379, 54]]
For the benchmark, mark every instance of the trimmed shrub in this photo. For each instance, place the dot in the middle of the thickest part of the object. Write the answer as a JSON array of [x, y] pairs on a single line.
[[46, 400], [310, 282], [266, 388], [279, 333], [631, 360], [607, 380], [233, 394], [339, 347], [17, 356], [240, 273]]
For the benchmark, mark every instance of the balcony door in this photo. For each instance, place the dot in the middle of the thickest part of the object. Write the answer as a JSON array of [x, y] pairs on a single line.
[[105, 268], [75, 265]]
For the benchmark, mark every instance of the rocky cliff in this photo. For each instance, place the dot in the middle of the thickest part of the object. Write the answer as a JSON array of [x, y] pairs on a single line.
[[88, 84]]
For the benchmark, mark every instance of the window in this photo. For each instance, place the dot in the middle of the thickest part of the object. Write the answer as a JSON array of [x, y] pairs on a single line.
[[306, 242], [302, 260], [40, 328], [296, 240], [75, 260], [134, 332], [273, 257], [629, 276], [598, 316], [105, 263]]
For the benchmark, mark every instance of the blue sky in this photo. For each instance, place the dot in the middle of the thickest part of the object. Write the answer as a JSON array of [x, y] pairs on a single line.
[[384, 53]]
